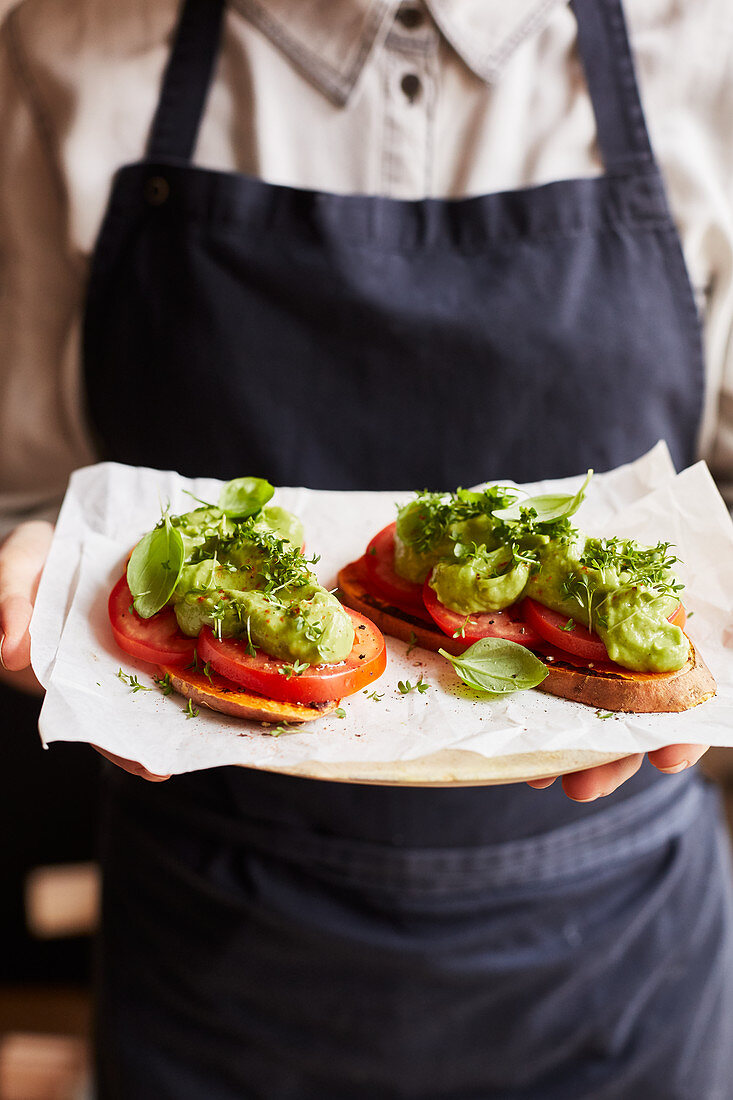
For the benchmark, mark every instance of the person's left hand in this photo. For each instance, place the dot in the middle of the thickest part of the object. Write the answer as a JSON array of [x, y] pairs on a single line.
[[592, 783]]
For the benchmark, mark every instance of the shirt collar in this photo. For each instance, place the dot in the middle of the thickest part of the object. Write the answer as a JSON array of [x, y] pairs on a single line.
[[330, 41]]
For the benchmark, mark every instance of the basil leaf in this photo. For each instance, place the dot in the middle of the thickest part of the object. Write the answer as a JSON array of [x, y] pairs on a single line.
[[154, 568], [498, 665], [244, 497], [548, 506]]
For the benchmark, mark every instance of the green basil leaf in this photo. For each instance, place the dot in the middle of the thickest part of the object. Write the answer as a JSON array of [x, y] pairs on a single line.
[[155, 567], [244, 497], [548, 506], [498, 665]]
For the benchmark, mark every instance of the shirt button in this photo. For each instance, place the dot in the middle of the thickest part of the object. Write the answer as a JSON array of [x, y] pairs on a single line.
[[411, 86], [408, 17]]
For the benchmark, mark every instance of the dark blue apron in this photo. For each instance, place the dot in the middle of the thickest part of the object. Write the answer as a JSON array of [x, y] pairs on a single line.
[[272, 937]]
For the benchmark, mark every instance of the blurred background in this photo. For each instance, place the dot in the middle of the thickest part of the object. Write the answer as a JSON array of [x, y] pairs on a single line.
[[48, 908], [48, 903]]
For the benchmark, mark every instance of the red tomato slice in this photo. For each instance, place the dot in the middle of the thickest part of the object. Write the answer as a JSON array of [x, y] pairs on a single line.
[[157, 640], [549, 625], [508, 623], [580, 641], [382, 579], [316, 684]]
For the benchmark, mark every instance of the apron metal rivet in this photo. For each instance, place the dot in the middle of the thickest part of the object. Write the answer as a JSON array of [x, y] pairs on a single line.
[[157, 190]]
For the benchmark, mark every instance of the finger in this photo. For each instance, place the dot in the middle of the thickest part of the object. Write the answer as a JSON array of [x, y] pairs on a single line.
[[675, 758], [132, 766], [585, 786], [22, 557], [540, 784], [15, 618]]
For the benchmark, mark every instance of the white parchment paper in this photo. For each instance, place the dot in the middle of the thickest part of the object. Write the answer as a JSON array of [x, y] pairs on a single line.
[[109, 506]]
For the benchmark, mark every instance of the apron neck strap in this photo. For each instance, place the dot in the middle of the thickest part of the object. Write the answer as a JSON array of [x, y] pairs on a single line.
[[186, 80], [602, 41], [603, 44]]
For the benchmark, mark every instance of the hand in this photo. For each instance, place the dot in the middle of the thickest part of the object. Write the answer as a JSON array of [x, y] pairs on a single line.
[[22, 557], [592, 783], [132, 766]]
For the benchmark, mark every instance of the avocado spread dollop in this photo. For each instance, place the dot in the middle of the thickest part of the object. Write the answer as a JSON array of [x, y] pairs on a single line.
[[246, 577], [486, 552]]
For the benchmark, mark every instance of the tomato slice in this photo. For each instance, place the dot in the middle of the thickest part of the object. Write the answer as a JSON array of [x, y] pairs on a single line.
[[508, 623], [579, 641], [549, 625], [382, 579], [316, 684], [157, 640]]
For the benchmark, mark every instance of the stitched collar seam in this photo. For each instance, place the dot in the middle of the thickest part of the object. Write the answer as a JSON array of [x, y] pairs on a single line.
[[488, 65], [335, 84]]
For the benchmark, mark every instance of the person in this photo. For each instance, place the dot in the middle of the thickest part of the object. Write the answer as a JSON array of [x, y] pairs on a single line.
[[364, 246]]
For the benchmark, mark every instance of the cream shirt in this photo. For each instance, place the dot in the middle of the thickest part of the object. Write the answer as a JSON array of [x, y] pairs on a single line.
[[312, 93]]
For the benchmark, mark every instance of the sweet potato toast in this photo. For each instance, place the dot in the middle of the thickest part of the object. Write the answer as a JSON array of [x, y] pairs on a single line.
[[217, 693], [604, 685]]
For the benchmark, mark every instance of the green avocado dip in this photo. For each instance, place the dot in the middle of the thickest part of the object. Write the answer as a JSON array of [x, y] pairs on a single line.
[[489, 549], [244, 576]]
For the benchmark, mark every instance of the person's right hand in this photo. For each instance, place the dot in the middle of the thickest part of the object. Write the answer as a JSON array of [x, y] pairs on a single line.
[[22, 557]]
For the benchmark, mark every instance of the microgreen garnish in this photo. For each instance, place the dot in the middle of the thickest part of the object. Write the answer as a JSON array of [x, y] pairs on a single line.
[[198, 500], [276, 731], [647, 566], [207, 672], [339, 712], [218, 612], [429, 517], [630, 567], [461, 632], [605, 714], [251, 651], [498, 666], [373, 695], [132, 681], [569, 625], [297, 668], [405, 687], [278, 566], [164, 683], [577, 586], [313, 631], [190, 710]]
